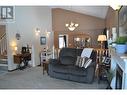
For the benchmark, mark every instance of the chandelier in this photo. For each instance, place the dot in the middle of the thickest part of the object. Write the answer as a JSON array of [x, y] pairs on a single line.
[[71, 26]]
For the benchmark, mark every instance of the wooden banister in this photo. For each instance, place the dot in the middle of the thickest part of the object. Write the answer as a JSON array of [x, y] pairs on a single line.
[[3, 45]]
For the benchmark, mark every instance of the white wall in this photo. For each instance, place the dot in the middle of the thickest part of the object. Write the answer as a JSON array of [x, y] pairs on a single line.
[[26, 20]]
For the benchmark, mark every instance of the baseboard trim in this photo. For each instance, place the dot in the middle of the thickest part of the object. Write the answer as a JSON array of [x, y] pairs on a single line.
[[12, 70], [18, 69]]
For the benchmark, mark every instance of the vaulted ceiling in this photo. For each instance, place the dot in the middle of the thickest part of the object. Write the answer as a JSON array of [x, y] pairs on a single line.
[[97, 11]]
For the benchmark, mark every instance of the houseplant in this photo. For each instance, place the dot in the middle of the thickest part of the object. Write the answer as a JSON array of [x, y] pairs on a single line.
[[121, 46], [110, 78]]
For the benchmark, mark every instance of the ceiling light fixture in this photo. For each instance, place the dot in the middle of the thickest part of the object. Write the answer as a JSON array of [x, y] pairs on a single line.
[[71, 26]]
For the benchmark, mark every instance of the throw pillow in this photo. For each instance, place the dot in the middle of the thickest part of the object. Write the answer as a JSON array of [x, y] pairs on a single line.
[[87, 62], [83, 61], [78, 61]]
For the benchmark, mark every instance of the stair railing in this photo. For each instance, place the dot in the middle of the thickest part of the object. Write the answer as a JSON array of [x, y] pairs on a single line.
[[3, 44]]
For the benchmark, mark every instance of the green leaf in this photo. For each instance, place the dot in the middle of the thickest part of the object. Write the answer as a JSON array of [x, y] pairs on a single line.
[[121, 40]]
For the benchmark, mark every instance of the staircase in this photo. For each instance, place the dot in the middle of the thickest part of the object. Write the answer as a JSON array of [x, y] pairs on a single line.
[[3, 50]]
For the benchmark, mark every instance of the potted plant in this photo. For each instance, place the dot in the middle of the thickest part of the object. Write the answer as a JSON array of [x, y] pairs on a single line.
[[110, 75], [121, 46]]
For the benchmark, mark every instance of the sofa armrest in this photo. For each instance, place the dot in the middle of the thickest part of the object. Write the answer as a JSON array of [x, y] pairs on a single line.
[[93, 64], [91, 72], [53, 61]]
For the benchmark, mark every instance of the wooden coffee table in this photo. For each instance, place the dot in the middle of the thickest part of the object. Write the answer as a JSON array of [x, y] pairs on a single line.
[[45, 66]]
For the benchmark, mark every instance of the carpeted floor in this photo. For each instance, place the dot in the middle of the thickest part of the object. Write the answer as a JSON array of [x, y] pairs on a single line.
[[33, 78], [3, 70], [3, 66]]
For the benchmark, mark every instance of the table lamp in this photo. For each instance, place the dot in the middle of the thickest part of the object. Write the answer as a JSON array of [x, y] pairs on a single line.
[[101, 38]]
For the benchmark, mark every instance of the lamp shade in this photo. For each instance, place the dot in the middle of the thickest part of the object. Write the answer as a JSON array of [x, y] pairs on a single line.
[[101, 38]]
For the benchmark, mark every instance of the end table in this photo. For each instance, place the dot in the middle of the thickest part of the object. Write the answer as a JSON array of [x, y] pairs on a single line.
[[45, 66]]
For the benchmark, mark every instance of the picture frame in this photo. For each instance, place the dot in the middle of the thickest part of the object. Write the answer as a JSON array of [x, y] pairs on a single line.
[[107, 60], [43, 40], [122, 21]]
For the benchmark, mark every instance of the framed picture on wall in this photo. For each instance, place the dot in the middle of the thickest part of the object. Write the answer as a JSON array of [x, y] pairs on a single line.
[[123, 21], [107, 60], [43, 40]]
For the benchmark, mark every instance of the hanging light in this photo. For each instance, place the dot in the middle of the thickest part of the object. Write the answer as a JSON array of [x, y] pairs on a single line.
[[71, 26]]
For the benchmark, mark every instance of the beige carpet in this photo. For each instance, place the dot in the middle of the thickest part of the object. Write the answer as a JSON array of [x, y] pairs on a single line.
[[33, 78], [3, 70]]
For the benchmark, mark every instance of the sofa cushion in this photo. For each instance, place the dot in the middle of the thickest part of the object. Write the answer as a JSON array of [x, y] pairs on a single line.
[[74, 70], [67, 52], [78, 61], [60, 68], [87, 62], [67, 60], [67, 56], [78, 52]]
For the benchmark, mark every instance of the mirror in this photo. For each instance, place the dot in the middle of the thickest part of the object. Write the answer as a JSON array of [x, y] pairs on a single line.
[[63, 40], [82, 42]]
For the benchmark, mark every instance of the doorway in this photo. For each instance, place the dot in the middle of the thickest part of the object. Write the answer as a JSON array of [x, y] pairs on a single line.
[[63, 40]]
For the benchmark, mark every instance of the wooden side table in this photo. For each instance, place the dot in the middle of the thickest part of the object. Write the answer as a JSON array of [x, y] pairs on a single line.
[[100, 66], [103, 69], [45, 66], [22, 58]]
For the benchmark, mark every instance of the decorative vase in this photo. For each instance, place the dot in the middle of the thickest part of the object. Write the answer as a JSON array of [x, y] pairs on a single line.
[[114, 45], [121, 48]]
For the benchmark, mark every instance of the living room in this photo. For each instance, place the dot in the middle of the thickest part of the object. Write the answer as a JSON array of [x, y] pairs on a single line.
[[33, 23], [52, 22]]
